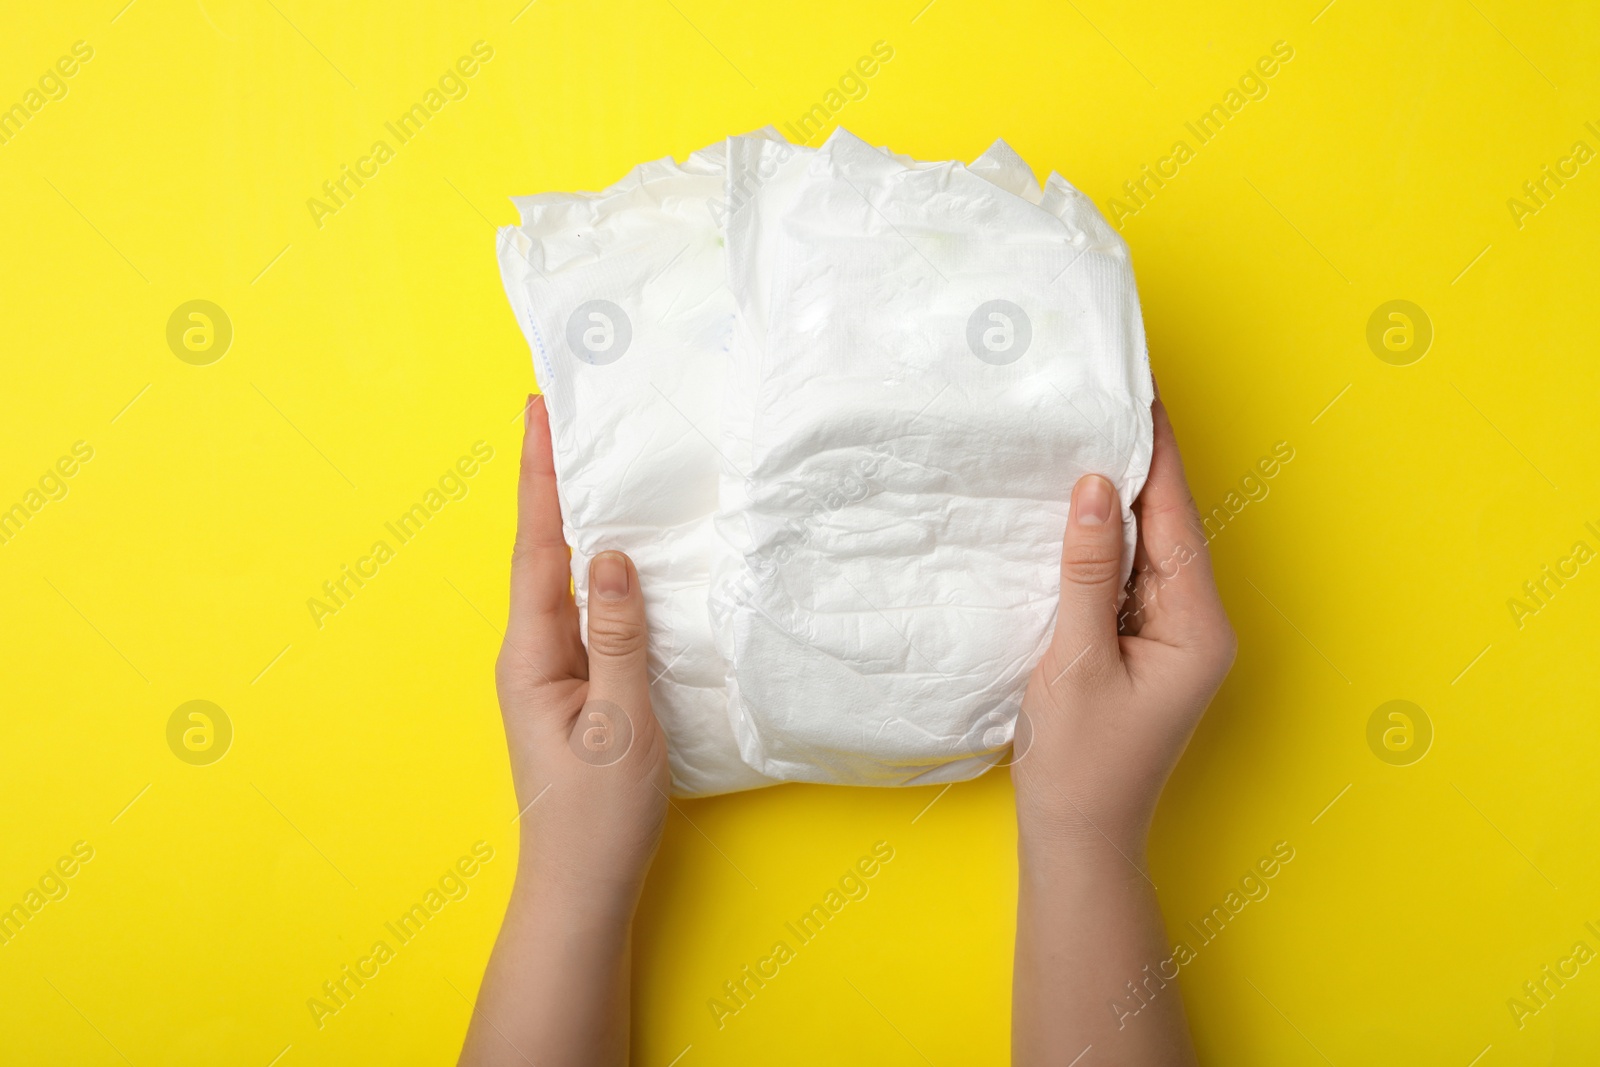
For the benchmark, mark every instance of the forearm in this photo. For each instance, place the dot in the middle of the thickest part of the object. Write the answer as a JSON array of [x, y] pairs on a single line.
[[556, 988], [1092, 964]]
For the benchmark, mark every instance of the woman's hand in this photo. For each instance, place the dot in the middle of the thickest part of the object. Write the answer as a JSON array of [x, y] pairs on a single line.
[[587, 757], [589, 763], [1105, 718], [1114, 700]]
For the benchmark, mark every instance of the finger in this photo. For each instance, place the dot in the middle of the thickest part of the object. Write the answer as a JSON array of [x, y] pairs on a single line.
[[1085, 639], [618, 674], [543, 627], [1177, 589]]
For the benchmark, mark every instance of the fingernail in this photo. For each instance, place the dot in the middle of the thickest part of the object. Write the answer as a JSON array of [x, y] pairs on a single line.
[[1091, 501], [608, 576], [527, 412]]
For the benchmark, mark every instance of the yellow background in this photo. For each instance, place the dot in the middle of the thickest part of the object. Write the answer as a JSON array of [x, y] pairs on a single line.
[[370, 353]]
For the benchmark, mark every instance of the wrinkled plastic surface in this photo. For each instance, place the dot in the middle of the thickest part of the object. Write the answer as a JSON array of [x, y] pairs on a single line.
[[800, 418]]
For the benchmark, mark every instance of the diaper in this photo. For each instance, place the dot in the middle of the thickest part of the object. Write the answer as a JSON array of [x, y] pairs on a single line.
[[925, 359], [865, 493]]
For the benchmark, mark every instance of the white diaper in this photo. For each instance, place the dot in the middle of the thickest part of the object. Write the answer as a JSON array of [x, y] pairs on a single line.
[[926, 358], [891, 503]]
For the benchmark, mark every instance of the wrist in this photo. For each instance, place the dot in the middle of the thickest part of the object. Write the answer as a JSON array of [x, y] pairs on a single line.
[[1067, 835], [575, 901], [1052, 857]]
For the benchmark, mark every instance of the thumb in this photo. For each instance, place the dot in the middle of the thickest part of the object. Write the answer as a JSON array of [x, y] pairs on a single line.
[[618, 678], [1091, 568]]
